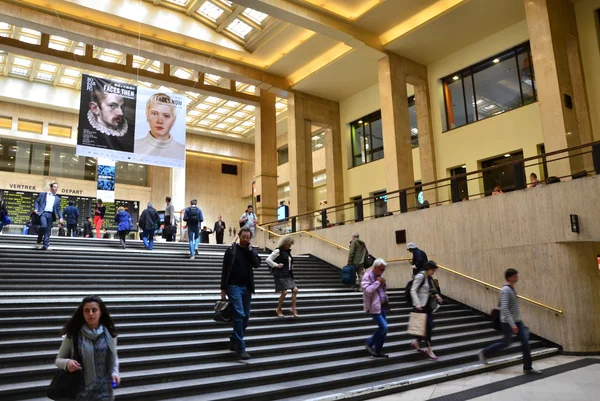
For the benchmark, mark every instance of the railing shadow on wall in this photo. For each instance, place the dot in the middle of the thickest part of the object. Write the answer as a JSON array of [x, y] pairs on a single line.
[[584, 159], [271, 235]]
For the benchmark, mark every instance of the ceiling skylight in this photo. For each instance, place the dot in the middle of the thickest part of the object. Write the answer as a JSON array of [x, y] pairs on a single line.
[[210, 11], [254, 15], [239, 28]]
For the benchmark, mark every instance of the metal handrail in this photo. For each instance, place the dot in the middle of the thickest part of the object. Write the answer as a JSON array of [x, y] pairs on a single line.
[[487, 285], [304, 232]]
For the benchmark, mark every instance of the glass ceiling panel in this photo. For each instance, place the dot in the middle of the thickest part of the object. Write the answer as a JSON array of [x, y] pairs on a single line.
[[210, 11]]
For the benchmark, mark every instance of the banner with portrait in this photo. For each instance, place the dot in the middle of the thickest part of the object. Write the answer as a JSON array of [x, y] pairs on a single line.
[[130, 123]]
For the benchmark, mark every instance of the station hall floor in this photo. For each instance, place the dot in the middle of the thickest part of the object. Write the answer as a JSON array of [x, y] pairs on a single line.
[[565, 378]]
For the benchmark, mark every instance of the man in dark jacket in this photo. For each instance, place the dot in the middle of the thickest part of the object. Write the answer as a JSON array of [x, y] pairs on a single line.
[[204, 235], [87, 227], [237, 282], [71, 214], [419, 257], [219, 230], [193, 217], [149, 223], [47, 207]]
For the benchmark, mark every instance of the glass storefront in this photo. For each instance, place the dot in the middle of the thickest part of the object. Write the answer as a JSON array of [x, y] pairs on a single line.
[[25, 157]]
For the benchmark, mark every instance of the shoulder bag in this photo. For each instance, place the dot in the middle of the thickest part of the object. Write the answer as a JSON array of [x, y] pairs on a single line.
[[223, 312], [66, 385]]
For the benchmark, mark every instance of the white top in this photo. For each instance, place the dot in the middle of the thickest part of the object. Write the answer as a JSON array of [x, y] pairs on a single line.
[[153, 147], [420, 297], [274, 255], [251, 219], [49, 202]]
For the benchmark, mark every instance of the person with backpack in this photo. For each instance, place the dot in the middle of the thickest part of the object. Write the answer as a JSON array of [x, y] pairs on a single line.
[[424, 297], [249, 220], [356, 257], [419, 257], [193, 217], [124, 224], [71, 215], [149, 221], [375, 302], [511, 324]]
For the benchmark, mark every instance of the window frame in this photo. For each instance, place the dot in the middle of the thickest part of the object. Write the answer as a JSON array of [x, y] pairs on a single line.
[[469, 73], [365, 121]]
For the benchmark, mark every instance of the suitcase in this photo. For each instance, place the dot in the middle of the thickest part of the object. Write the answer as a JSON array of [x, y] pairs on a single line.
[[349, 275]]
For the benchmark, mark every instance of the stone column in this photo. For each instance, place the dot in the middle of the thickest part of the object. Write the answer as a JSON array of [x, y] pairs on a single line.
[[266, 158], [178, 190], [557, 61], [396, 128], [426, 142], [334, 171], [300, 156]]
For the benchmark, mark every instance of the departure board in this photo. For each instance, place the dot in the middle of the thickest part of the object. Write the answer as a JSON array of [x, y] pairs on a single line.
[[20, 206]]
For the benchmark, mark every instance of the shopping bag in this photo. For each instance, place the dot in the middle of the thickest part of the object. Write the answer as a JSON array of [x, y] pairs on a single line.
[[417, 324]]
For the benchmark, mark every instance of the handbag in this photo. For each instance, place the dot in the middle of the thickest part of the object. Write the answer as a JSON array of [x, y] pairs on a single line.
[[417, 324], [66, 384], [223, 312]]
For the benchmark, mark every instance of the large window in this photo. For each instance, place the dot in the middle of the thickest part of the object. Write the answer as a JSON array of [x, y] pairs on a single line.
[[61, 161], [412, 115], [503, 82], [283, 156], [367, 139], [502, 176]]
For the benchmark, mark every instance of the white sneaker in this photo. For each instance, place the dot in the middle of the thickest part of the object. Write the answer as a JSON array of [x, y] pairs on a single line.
[[38, 246]]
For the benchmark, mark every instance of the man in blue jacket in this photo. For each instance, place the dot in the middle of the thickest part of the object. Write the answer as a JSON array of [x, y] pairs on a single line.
[[71, 214], [47, 207]]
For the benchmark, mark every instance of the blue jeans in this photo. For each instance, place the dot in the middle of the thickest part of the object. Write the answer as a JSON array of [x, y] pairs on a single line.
[[194, 237], [148, 237], [46, 220], [240, 297], [376, 341], [507, 340]]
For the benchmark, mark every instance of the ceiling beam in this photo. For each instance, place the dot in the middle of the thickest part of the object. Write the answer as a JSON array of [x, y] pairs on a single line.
[[186, 57], [89, 62], [316, 21], [230, 18], [194, 6]]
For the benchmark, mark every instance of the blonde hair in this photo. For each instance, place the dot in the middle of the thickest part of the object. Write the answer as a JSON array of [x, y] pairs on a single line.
[[161, 99], [287, 240], [121, 209]]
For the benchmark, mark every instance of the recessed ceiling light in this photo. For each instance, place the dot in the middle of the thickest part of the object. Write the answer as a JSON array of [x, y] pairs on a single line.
[[507, 155], [496, 60], [456, 78], [360, 121], [463, 166]]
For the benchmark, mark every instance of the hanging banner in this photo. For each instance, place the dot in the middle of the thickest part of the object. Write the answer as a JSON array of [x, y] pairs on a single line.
[[125, 122], [106, 180]]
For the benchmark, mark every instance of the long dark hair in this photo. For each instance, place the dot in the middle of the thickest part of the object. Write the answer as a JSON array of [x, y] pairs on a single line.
[[77, 320]]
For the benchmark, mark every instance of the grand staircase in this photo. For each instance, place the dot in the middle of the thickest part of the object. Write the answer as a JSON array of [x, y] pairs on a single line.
[[171, 349]]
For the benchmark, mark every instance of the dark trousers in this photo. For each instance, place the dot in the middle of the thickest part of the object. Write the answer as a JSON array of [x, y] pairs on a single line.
[[45, 229], [219, 236], [507, 340], [72, 230], [428, 311], [240, 297], [168, 236], [122, 236]]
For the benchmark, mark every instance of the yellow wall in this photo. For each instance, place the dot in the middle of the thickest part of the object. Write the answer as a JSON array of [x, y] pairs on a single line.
[[589, 41], [368, 178]]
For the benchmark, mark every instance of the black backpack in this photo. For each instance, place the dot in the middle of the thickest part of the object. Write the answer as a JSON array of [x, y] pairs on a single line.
[[408, 287], [193, 216]]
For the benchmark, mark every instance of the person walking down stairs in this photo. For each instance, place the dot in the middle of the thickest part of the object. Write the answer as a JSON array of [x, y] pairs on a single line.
[[376, 303], [281, 264], [425, 296], [90, 345], [237, 283], [124, 224]]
